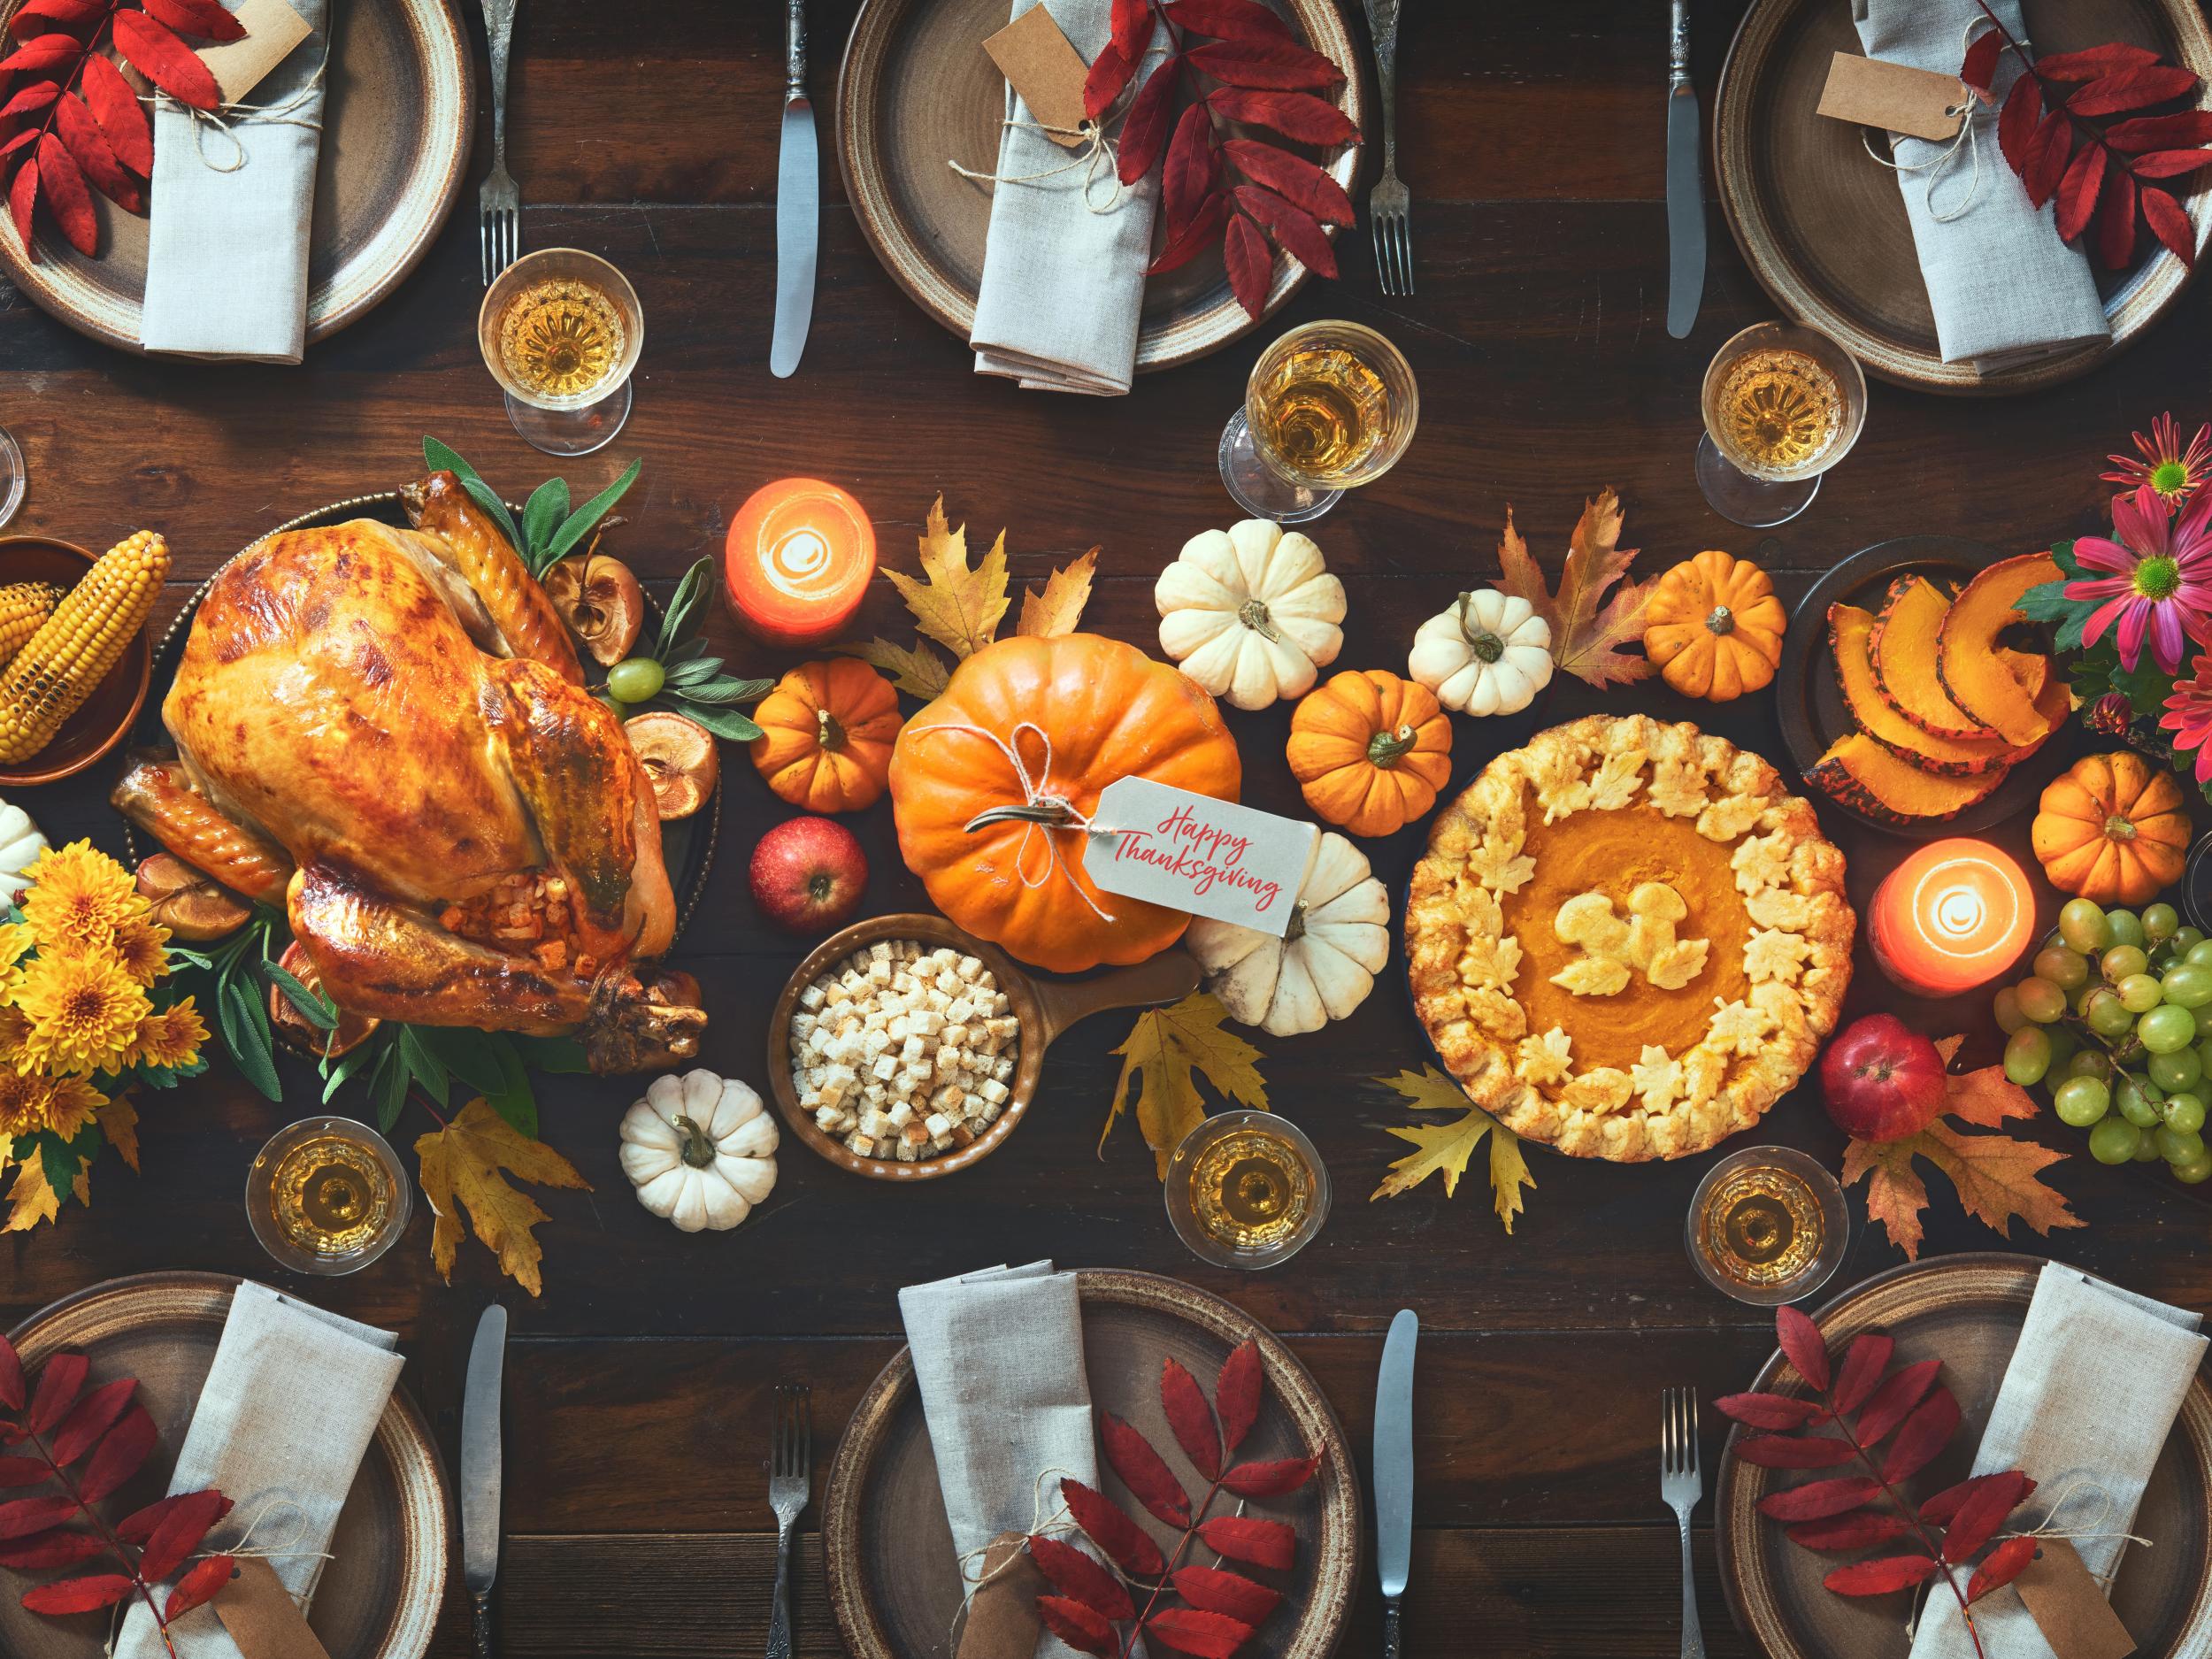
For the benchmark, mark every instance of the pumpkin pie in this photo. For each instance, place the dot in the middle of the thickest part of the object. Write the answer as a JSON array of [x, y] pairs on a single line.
[[1627, 940]]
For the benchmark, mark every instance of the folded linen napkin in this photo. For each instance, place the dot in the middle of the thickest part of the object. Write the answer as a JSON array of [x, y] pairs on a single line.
[[283, 1420], [1057, 306], [998, 1355], [226, 244], [2003, 288], [2084, 1345]]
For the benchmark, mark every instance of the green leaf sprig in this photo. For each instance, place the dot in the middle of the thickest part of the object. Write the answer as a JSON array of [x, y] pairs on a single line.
[[549, 532], [697, 685], [235, 978], [493, 1064]]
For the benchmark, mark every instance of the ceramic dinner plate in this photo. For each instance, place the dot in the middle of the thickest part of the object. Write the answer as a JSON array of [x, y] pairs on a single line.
[[1823, 226], [917, 91], [1967, 1311], [894, 1580], [380, 1593], [397, 122]]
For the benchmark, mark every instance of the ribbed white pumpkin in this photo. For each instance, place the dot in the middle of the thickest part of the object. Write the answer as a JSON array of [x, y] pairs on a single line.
[[21, 844], [1322, 969], [700, 1150], [1489, 654], [1250, 613]]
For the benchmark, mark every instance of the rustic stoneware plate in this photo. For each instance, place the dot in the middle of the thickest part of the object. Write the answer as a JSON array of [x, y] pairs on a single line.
[[100, 723], [917, 91], [1965, 1311], [379, 1593], [893, 1577], [397, 122], [1823, 226]]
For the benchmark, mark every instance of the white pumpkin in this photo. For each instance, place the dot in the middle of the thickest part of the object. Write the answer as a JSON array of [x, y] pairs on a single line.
[[1250, 613], [700, 1150], [1322, 968], [1489, 654], [21, 844]]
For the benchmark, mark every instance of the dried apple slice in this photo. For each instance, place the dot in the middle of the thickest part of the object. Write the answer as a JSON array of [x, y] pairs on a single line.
[[680, 756], [194, 907], [599, 598]]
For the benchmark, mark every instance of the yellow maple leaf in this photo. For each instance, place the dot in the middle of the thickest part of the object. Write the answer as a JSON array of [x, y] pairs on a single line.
[[118, 1122], [919, 672], [461, 1165], [30, 1201], [1450, 1147], [1584, 628], [1060, 607], [1895, 1195], [1164, 1048], [956, 605]]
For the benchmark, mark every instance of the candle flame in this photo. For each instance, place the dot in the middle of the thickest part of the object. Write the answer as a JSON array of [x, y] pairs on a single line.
[[1959, 912]]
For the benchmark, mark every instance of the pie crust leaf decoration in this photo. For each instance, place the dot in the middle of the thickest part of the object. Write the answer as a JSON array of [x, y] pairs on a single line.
[[1585, 630], [1447, 1147]]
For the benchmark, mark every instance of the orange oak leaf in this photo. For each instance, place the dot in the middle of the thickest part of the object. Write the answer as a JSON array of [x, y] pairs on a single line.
[[1895, 1196], [1586, 629]]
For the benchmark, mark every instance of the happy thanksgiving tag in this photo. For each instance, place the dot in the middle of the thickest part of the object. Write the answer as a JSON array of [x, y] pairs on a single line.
[[1191, 852]]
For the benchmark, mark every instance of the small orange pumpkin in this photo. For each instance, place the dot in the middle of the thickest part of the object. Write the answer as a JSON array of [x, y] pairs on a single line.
[[1715, 627], [1370, 750], [826, 735], [2113, 829]]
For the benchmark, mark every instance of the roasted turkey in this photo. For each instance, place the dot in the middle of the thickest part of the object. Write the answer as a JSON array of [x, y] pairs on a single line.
[[385, 732]]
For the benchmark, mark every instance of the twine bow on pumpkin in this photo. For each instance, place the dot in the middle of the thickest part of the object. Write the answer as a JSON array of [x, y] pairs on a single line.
[[1039, 808]]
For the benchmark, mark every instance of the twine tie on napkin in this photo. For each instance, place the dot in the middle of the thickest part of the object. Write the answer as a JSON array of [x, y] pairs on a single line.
[[1037, 796], [231, 117], [1099, 153]]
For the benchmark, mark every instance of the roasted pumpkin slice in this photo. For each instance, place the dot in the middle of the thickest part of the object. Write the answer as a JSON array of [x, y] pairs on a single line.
[[1862, 775], [1850, 632], [1976, 671], [1904, 654]]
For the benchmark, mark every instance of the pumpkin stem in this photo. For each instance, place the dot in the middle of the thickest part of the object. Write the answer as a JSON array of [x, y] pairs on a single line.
[[698, 1151], [829, 731], [1296, 930], [1253, 614], [1722, 620], [1387, 749], [1487, 646], [2119, 827], [1048, 810]]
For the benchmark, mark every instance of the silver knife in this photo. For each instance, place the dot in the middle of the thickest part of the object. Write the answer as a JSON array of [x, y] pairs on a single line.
[[1685, 196], [480, 1470], [1393, 1470], [798, 205]]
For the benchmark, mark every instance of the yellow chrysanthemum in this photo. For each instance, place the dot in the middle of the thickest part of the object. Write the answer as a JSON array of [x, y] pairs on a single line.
[[23, 1102], [142, 945], [15, 1031], [72, 1105], [83, 1010], [168, 1037], [79, 896], [15, 941]]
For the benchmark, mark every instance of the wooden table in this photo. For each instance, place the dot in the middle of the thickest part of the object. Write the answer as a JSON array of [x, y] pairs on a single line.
[[638, 1386]]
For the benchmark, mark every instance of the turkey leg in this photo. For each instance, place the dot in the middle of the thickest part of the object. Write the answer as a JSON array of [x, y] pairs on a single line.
[[438, 506]]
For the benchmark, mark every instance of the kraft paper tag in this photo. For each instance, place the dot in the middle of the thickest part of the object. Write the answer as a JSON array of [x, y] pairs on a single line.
[[272, 29], [1897, 97], [1047, 73], [2069, 1606], [262, 1617], [1191, 852], [1003, 1621]]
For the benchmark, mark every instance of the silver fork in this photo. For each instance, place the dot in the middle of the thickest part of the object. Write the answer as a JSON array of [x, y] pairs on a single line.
[[787, 1481], [1681, 1486], [1388, 206], [499, 205]]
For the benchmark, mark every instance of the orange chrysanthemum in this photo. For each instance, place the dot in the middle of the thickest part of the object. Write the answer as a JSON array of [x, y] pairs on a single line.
[[71, 1106], [168, 1037], [142, 945], [79, 896], [23, 1102], [83, 1013]]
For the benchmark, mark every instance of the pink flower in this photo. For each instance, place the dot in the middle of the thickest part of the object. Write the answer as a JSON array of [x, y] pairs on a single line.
[[2163, 463], [2161, 579], [2189, 717]]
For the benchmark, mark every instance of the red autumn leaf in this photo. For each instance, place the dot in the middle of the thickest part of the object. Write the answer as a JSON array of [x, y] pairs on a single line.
[[1863, 1363], [137, 1527], [28, 135], [1144, 130], [43, 51], [1769, 1412], [1189, 173], [1110, 74], [2171, 163], [1127, 1545], [1900, 1393], [1943, 1508], [37, 95], [1194, 1631], [1298, 115], [2131, 89], [26, 1515], [1237, 1394], [122, 118], [21, 194], [1924, 1434], [1229, 19], [2098, 60], [1131, 27], [11, 1376], [1299, 232], [199, 1587], [63, 1379], [1143, 1471], [70, 197], [81, 135], [1982, 1513], [22, 1471], [202, 18], [1817, 1500], [2077, 191], [79, 1595], [125, 1449], [1249, 1538], [1803, 1345], [1270, 1481], [1251, 265], [1077, 1626], [165, 60], [1195, 238], [1291, 177], [1793, 1451], [2016, 124], [2047, 154], [67, 14], [1849, 1531], [1881, 1576], [1229, 1593], [2005, 1563], [1980, 67], [1190, 1418], [60, 1547], [2167, 222], [180, 1533], [2161, 131], [1280, 63], [97, 1412], [1076, 1575]]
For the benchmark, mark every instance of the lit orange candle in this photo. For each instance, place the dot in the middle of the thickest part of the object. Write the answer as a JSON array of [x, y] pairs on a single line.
[[797, 561], [1954, 916]]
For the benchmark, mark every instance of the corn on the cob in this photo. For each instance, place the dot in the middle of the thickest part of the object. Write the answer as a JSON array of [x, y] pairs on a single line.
[[73, 649], [23, 606]]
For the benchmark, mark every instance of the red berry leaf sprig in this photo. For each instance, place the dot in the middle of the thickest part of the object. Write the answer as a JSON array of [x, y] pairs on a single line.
[[85, 1443], [1866, 1402], [2057, 134], [1233, 68], [71, 124], [1094, 1610]]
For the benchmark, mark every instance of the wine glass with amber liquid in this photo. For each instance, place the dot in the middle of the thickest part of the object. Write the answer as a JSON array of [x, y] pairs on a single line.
[[1782, 404], [560, 330], [1329, 407], [1767, 1225], [327, 1195], [1247, 1189]]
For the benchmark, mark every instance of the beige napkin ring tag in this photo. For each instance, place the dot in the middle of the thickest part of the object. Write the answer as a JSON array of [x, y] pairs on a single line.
[[262, 1617], [2069, 1606], [1896, 97], [1002, 1618], [1040, 64], [1191, 852]]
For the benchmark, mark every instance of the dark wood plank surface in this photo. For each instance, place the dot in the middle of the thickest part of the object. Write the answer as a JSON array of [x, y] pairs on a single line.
[[1531, 141]]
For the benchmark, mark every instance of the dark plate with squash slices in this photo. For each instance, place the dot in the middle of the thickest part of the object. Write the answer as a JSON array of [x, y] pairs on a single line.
[[1968, 774]]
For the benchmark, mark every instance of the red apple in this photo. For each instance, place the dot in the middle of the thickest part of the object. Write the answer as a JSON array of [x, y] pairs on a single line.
[[807, 874], [1883, 1080]]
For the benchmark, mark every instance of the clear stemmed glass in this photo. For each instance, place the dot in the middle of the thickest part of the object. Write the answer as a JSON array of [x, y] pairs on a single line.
[[1330, 406], [560, 330], [327, 1195], [1782, 404], [1246, 1190]]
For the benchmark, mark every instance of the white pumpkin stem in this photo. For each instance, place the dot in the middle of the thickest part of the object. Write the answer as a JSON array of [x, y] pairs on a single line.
[[1487, 646], [698, 1150], [1253, 614], [1296, 930]]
